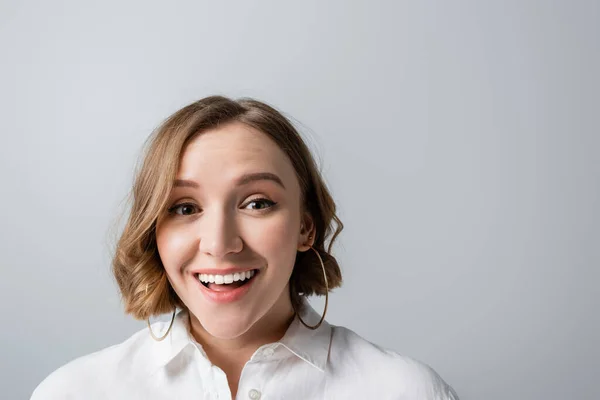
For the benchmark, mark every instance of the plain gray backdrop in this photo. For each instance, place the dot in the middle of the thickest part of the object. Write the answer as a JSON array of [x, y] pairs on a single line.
[[459, 139]]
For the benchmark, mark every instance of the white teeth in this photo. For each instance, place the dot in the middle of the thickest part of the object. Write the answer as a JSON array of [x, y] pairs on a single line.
[[226, 279]]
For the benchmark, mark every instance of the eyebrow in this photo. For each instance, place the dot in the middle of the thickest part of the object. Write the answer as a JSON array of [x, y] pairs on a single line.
[[242, 180]]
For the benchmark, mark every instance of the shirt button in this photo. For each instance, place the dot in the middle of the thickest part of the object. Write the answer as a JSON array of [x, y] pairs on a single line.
[[254, 394]]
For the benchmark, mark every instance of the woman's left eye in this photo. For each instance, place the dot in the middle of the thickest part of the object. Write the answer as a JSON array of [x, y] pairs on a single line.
[[268, 202]]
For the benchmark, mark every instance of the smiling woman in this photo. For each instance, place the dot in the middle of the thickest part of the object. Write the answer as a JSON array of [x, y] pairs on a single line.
[[226, 206]]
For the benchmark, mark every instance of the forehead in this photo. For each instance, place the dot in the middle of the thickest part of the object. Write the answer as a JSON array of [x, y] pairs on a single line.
[[221, 154]]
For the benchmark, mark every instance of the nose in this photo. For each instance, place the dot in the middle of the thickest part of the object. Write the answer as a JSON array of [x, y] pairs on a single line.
[[219, 234]]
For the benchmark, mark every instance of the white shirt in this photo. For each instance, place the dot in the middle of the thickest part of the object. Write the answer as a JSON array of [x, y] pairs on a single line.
[[329, 363]]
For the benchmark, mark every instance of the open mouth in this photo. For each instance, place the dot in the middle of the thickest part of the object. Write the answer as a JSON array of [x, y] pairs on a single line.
[[221, 283]]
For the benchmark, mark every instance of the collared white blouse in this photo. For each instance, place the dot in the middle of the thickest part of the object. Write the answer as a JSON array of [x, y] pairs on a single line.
[[329, 363]]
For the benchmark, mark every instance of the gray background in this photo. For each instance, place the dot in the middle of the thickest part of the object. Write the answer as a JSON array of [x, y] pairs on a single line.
[[460, 141]]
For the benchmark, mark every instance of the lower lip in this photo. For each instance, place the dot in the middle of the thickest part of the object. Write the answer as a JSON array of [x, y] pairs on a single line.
[[228, 296]]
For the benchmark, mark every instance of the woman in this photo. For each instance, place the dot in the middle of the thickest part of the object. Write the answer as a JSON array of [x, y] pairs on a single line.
[[228, 224]]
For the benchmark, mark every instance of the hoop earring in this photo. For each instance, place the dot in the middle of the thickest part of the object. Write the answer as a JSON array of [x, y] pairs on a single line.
[[158, 339], [326, 294]]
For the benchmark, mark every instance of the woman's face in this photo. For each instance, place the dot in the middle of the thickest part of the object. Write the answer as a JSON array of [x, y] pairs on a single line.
[[219, 224]]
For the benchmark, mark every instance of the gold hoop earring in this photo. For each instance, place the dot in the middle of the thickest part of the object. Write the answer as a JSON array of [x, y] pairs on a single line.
[[326, 294], [158, 339]]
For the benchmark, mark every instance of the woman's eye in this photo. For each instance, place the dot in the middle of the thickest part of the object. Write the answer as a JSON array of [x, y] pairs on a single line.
[[262, 201], [185, 206]]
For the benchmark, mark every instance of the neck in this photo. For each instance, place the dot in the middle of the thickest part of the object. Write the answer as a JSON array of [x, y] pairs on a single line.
[[270, 328], [232, 354]]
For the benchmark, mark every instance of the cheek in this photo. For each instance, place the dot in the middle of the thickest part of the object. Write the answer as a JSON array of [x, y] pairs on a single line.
[[280, 233], [277, 241], [172, 247]]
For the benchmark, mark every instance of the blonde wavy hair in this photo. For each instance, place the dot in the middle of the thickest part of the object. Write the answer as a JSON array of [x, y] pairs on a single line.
[[136, 264]]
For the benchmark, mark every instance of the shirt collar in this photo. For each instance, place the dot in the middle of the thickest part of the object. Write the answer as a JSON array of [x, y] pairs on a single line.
[[178, 339], [312, 346]]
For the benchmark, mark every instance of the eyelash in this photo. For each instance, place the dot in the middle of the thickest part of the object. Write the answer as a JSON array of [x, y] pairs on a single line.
[[172, 209]]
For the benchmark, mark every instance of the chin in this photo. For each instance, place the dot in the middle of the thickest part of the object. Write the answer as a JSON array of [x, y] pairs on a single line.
[[227, 325]]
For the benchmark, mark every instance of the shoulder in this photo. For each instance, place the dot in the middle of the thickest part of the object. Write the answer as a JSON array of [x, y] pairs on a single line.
[[386, 369], [90, 373]]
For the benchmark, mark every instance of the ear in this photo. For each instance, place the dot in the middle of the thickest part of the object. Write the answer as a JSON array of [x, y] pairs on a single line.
[[307, 229]]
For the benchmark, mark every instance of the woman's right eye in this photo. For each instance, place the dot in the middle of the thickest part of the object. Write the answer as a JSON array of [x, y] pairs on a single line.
[[184, 206]]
